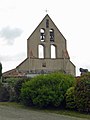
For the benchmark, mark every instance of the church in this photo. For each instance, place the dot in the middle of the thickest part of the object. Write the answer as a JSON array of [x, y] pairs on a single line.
[[46, 52]]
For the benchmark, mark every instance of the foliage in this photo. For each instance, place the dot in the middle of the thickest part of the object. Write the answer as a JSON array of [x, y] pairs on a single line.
[[70, 98], [0, 70], [11, 83], [17, 88], [1, 84], [46, 90], [14, 86], [82, 93], [4, 93]]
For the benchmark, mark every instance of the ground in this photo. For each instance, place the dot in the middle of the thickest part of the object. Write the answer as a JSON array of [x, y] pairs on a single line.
[[14, 113]]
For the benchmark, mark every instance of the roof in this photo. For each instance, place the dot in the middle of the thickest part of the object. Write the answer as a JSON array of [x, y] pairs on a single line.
[[13, 73]]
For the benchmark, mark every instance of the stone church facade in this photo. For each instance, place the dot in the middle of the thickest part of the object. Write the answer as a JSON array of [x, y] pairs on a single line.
[[46, 51]]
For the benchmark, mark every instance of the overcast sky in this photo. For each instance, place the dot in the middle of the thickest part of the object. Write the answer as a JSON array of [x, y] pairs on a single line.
[[19, 18]]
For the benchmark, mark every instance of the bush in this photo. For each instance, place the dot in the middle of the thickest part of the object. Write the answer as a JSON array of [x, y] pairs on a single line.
[[70, 98], [17, 88], [46, 90], [4, 94], [82, 93], [11, 82]]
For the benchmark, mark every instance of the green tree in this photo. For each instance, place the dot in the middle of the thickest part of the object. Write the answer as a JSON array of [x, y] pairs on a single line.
[[82, 93], [0, 70]]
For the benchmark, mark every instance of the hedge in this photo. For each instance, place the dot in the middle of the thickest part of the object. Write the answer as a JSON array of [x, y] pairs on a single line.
[[82, 93], [70, 98], [18, 86], [4, 94], [46, 90]]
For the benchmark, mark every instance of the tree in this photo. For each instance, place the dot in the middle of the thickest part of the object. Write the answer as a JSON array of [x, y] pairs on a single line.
[[0, 70]]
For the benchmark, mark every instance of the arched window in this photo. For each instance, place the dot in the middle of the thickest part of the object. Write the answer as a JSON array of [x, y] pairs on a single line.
[[51, 31], [53, 51], [42, 34], [40, 51]]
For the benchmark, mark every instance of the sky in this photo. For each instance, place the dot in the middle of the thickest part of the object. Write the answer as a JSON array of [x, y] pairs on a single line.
[[19, 18]]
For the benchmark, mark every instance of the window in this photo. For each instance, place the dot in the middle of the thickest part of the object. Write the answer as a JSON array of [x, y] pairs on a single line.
[[42, 34], [44, 64], [47, 23], [53, 51], [40, 51], [51, 31]]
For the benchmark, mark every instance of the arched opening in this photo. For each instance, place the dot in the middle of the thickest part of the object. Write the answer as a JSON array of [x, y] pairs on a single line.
[[40, 51], [53, 51], [51, 35], [42, 34]]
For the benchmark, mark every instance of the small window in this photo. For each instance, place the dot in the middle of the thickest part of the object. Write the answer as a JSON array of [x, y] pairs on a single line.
[[40, 51], [44, 64], [51, 35], [47, 23], [42, 34], [53, 51]]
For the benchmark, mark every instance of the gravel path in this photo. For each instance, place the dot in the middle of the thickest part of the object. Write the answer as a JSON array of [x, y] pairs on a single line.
[[12, 113]]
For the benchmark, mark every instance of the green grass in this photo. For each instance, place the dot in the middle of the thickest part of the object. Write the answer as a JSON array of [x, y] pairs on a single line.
[[57, 111], [70, 113]]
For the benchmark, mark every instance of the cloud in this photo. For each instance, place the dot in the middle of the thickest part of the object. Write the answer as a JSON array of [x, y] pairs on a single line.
[[17, 57], [10, 34]]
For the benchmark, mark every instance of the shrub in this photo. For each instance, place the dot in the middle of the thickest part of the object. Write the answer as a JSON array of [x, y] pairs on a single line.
[[82, 93], [11, 83], [17, 88], [4, 94], [46, 90], [70, 98]]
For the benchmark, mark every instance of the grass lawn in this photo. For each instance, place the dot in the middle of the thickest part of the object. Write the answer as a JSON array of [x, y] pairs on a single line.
[[57, 111]]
